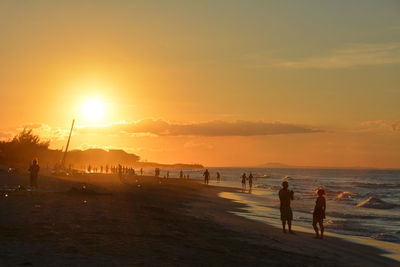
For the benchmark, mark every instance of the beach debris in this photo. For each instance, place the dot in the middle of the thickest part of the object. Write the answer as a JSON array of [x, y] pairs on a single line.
[[82, 191], [85, 191], [138, 185], [12, 171], [85, 201], [5, 195], [37, 206], [20, 188]]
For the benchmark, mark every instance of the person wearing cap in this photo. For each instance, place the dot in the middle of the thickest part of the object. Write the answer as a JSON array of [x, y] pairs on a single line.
[[285, 196]]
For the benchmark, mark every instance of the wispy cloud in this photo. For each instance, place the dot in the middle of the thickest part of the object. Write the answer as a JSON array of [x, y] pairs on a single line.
[[46, 132], [210, 128], [351, 56], [393, 125]]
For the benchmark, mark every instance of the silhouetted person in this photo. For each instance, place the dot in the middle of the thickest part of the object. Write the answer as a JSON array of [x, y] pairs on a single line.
[[250, 181], [141, 171], [218, 177], [34, 171], [285, 196], [120, 171], [206, 175], [181, 174], [167, 174], [319, 213], [244, 181]]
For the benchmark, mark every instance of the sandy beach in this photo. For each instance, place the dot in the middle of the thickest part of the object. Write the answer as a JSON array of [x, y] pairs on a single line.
[[147, 221]]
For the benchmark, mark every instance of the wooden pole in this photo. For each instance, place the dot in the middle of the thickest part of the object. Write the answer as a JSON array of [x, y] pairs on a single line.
[[66, 148]]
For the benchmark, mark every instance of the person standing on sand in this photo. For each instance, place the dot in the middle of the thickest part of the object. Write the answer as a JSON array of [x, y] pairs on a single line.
[[206, 175], [34, 171], [319, 214], [244, 181], [285, 196]]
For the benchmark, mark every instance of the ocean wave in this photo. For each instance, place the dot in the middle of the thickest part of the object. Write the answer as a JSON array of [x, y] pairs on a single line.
[[386, 237], [347, 225], [346, 195], [269, 187], [375, 185], [262, 175], [375, 203], [352, 216]]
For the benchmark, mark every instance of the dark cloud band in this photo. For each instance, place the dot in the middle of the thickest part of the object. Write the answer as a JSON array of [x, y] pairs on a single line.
[[211, 128]]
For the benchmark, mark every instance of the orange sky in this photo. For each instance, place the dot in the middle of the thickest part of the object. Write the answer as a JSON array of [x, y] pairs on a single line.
[[222, 83]]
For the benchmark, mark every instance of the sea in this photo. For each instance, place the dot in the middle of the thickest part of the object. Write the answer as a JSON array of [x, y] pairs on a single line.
[[360, 203]]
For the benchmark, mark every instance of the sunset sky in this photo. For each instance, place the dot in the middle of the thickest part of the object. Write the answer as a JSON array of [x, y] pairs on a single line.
[[221, 83]]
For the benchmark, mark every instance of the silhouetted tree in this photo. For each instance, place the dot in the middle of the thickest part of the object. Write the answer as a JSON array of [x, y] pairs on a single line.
[[23, 147], [26, 139]]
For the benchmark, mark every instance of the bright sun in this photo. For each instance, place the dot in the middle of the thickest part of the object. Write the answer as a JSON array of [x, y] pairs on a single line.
[[93, 110]]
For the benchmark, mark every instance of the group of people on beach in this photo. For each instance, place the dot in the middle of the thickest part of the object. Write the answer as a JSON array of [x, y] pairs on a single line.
[[248, 179], [286, 196], [109, 169], [207, 176]]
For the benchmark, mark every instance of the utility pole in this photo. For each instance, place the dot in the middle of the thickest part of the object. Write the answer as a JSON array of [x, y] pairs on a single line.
[[66, 148]]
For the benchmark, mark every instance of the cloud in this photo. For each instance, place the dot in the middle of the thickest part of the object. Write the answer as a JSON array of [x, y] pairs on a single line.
[[355, 55], [5, 136], [46, 132], [393, 125], [211, 128]]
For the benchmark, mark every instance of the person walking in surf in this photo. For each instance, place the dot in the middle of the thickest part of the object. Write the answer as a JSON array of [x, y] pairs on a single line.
[[206, 175], [250, 181], [244, 181], [319, 214]]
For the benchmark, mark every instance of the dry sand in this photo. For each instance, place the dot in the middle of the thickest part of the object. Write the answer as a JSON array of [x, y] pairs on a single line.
[[151, 222]]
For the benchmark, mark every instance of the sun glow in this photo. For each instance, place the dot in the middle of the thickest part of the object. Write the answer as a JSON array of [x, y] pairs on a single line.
[[93, 110]]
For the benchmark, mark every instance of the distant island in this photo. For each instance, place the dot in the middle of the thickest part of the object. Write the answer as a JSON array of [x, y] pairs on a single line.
[[278, 165], [25, 146]]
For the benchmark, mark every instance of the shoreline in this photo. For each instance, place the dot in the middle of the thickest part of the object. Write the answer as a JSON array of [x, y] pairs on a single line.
[[392, 250], [153, 221]]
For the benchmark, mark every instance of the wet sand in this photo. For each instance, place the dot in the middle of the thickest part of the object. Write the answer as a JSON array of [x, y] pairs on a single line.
[[151, 222]]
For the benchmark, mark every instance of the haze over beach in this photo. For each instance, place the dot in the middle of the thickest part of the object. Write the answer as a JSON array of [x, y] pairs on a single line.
[[164, 96]]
